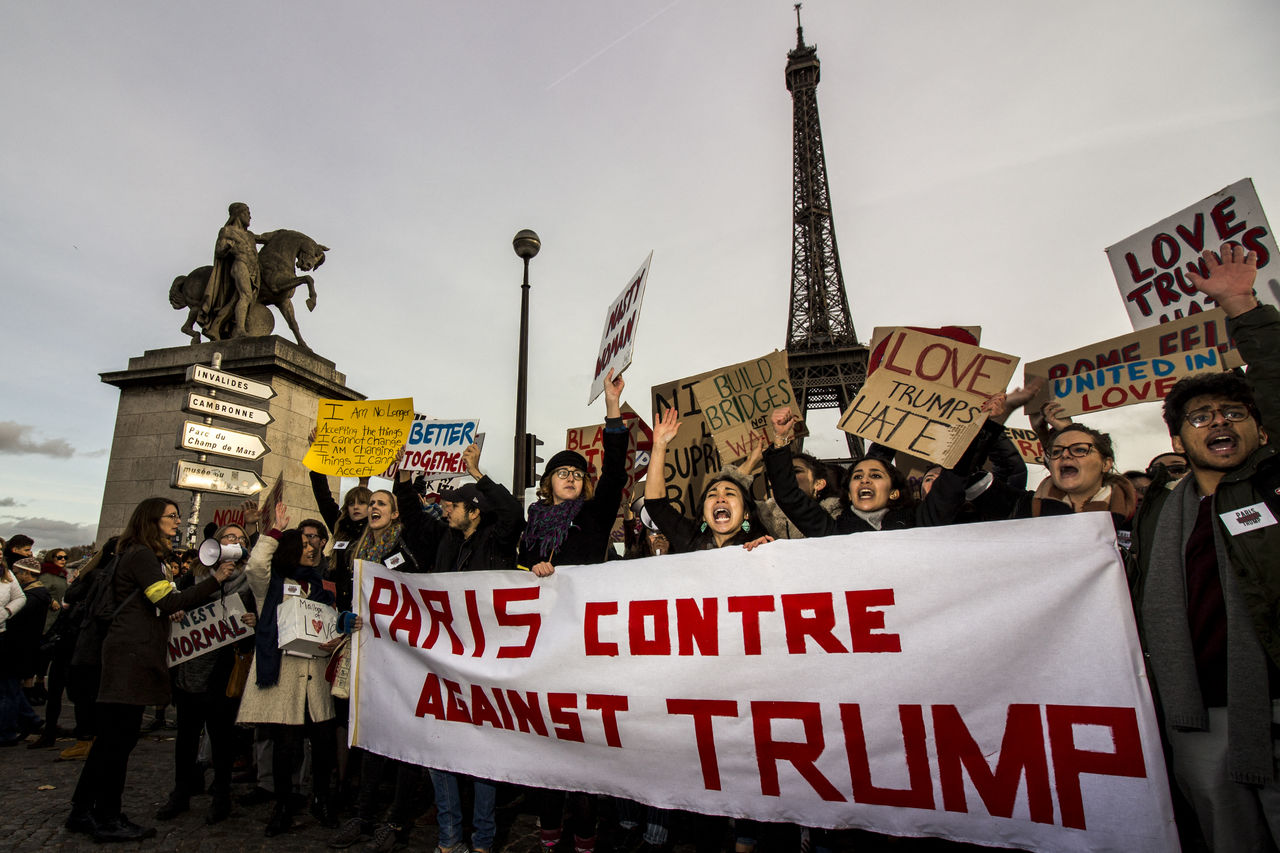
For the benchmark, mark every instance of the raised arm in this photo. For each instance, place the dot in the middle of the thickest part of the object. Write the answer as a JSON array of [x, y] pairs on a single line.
[[804, 512]]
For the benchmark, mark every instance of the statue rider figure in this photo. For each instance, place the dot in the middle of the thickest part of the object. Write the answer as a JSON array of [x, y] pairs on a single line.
[[233, 285]]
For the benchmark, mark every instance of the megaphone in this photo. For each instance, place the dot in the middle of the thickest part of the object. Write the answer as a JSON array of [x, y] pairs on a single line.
[[213, 552]]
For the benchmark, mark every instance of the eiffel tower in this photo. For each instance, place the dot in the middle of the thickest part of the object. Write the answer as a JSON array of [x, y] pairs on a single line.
[[828, 365]]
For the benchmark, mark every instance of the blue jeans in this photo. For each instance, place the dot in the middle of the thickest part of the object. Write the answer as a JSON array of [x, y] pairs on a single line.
[[484, 824], [16, 713]]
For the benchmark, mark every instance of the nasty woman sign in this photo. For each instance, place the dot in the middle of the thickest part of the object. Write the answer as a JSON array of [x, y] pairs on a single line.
[[618, 341], [924, 682]]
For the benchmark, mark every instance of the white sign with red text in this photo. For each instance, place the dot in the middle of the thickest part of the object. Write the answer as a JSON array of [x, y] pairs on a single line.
[[926, 682], [618, 341], [1151, 266]]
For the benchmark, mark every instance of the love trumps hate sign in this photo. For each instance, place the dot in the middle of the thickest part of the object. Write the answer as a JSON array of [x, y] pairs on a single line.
[[905, 682], [925, 397], [358, 438]]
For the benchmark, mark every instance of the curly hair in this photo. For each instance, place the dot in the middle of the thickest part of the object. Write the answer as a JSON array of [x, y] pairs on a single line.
[[1230, 385]]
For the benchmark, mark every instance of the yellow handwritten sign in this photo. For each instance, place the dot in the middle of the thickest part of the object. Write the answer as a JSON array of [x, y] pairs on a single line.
[[359, 438]]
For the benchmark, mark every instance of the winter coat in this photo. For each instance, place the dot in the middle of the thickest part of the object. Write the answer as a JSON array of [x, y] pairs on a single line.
[[135, 665], [587, 542], [301, 688], [20, 645], [938, 508], [12, 599], [1254, 554], [346, 534], [491, 547]]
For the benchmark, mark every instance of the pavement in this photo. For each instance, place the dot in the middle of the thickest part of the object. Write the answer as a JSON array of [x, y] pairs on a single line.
[[36, 791]]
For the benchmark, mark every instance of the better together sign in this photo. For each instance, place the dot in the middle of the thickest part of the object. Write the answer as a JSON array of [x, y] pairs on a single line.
[[924, 682]]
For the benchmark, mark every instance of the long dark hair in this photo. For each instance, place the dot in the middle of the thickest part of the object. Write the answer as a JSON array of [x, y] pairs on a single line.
[[144, 526]]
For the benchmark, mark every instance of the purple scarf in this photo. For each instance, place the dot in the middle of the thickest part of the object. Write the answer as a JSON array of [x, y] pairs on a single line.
[[549, 526]]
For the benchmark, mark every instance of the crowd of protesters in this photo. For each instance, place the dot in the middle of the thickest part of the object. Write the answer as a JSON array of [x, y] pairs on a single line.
[[1206, 594]]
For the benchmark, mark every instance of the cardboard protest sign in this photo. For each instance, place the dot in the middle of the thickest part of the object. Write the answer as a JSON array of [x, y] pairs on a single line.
[[618, 341], [1144, 381], [589, 441], [358, 438], [914, 703], [880, 336], [925, 398], [1205, 329], [207, 627], [1028, 444], [736, 402], [692, 457], [1151, 266], [435, 447]]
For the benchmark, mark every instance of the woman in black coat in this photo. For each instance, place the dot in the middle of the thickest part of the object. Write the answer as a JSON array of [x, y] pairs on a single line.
[[571, 523], [135, 670]]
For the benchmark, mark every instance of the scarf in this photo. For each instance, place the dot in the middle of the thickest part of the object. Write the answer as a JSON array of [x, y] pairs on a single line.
[[266, 641], [1116, 496], [375, 545], [875, 518], [1168, 640], [548, 526], [50, 568]]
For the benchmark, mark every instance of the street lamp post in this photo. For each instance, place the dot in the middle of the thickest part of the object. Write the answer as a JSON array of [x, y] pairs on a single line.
[[526, 244]]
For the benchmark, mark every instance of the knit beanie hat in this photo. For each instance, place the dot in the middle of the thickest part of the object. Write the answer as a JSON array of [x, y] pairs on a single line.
[[566, 459]]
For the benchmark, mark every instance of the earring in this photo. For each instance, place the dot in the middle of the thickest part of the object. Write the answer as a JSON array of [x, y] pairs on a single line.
[[703, 528], [746, 526]]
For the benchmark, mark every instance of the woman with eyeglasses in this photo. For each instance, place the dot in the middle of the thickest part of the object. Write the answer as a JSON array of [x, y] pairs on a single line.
[[135, 670], [570, 525], [200, 697], [1081, 478]]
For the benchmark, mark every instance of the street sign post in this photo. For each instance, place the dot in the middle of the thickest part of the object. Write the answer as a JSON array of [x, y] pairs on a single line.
[[218, 408], [198, 476], [207, 438], [224, 381]]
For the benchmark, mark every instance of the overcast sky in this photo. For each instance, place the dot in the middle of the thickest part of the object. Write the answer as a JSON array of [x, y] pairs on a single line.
[[981, 156]]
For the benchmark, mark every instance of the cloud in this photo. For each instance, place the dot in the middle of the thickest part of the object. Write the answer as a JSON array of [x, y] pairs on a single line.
[[96, 454], [14, 439], [49, 532], [9, 502]]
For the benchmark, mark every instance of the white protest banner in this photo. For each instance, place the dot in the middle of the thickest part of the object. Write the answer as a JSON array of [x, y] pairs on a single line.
[[926, 395], [207, 627], [935, 681], [736, 402], [618, 341], [1151, 266], [1145, 381], [435, 447]]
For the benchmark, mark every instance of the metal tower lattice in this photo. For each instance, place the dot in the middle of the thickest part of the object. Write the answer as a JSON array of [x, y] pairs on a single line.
[[828, 364]]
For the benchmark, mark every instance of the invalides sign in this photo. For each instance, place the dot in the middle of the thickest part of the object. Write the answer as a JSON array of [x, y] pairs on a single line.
[[224, 381]]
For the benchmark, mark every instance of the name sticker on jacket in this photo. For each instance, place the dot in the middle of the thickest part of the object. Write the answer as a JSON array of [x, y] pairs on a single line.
[[1247, 518], [396, 559], [292, 588], [341, 545]]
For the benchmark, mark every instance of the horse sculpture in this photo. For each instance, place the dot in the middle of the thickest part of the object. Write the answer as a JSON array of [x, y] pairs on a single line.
[[283, 253]]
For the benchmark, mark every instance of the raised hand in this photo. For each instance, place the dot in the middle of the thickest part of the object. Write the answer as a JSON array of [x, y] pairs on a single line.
[[666, 428], [1053, 413], [281, 516], [613, 386], [1230, 278], [784, 423], [471, 458]]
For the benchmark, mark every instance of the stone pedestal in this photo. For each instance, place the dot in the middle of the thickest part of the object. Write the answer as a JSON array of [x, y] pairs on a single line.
[[149, 420]]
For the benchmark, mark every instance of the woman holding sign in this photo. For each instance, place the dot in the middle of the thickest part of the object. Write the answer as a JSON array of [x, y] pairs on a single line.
[[569, 525], [877, 498], [200, 696], [135, 670]]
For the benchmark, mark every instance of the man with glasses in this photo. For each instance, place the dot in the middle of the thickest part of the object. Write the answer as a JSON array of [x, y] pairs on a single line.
[[1206, 572]]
